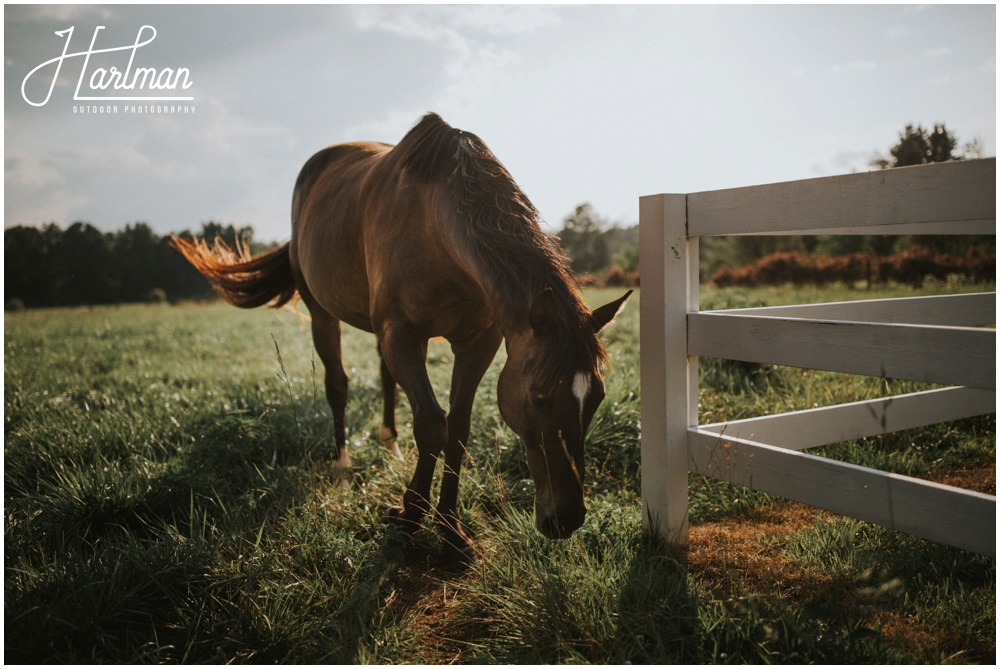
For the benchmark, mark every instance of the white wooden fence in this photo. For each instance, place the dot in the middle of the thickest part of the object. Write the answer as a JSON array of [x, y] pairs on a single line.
[[932, 339]]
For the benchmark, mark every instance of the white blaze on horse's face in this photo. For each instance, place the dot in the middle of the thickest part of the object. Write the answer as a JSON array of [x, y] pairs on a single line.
[[581, 389]]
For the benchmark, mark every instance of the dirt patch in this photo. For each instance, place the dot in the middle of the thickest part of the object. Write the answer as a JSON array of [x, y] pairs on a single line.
[[745, 553], [981, 479]]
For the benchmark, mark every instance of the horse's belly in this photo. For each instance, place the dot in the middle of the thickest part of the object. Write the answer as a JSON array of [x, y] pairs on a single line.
[[340, 295], [349, 309]]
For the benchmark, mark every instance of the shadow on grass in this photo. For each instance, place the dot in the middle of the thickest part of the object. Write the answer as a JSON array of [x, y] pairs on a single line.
[[212, 555], [657, 611], [609, 594]]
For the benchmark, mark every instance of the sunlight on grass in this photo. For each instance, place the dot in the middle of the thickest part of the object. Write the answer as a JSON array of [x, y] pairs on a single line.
[[169, 497]]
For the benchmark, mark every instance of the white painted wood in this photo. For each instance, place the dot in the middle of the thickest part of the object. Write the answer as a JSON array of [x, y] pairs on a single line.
[[933, 354], [970, 309], [653, 346], [954, 192], [799, 430], [940, 513], [903, 338], [979, 227], [665, 258]]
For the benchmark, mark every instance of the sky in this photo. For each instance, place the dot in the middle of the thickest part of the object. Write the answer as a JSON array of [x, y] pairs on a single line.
[[598, 104]]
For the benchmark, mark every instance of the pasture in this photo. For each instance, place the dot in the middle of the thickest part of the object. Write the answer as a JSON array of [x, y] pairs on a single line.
[[168, 497]]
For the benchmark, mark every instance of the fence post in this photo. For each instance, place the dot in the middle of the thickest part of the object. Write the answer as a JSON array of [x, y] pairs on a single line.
[[668, 261]]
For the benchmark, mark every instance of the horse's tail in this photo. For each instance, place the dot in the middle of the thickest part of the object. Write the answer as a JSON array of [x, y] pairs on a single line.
[[242, 280]]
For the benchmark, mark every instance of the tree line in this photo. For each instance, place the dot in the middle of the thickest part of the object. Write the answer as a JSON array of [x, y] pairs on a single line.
[[51, 267], [608, 253]]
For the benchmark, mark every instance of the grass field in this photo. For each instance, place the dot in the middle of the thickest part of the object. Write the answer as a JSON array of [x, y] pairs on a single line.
[[168, 497]]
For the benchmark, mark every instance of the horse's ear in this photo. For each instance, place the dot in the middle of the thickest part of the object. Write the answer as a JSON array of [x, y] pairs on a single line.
[[601, 316], [542, 313]]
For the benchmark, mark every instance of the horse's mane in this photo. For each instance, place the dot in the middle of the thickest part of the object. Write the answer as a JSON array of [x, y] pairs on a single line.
[[501, 232]]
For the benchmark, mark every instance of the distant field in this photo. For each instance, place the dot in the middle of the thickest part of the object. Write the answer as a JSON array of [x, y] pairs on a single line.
[[168, 498]]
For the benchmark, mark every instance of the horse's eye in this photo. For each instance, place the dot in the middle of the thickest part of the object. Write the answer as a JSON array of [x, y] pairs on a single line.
[[539, 400]]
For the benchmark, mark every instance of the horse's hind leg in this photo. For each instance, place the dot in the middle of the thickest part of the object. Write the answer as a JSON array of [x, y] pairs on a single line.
[[326, 338], [387, 432]]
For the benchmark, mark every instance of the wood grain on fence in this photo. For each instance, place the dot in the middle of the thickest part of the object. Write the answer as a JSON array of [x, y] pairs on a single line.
[[929, 339]]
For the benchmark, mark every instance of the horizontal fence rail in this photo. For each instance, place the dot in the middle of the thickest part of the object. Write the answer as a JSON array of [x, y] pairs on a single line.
[[930, 339], [904, 201], [799, 430], [929, 353], [937, 512], [968, 310]]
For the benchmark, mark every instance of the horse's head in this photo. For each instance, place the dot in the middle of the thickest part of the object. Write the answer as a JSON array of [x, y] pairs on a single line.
[[548, 394]]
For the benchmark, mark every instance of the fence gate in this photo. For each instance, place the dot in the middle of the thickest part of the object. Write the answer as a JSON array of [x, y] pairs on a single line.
[[931, 339]]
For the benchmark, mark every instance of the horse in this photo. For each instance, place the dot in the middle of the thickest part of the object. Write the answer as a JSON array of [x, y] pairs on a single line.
[[433, 238]]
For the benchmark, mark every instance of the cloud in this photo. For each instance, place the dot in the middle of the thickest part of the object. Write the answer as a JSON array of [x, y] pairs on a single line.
[[507, 19], [852, 161], [476, 46], [45, 191], [591, 103], [45, 14], [856, 66], [434, 22], [464, 32]]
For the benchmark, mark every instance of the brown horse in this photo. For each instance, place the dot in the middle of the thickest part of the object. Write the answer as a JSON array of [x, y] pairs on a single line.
[[430, 238]]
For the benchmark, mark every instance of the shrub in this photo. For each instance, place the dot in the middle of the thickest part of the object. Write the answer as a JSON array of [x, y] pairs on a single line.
[[616, 277], [911, 267]]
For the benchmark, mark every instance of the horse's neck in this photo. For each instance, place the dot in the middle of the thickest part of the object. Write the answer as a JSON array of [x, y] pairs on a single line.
[[511, 266]]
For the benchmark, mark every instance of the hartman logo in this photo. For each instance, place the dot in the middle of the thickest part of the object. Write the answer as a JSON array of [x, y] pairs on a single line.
[[115, 78]]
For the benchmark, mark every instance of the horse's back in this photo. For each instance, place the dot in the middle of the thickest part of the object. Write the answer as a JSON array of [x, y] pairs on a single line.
[[329, 165]]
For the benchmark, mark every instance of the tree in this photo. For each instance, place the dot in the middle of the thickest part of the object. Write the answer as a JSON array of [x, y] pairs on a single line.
[[138, 266], [582, 238], [916, 146], [27, 270], [84, 260], [228, 233], [47, 266]]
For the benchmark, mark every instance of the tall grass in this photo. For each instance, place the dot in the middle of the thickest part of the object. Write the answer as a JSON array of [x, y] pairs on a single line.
[[169, 497]]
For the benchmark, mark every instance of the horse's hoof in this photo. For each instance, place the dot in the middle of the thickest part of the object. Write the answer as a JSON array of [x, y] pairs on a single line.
[[392, 450], [459, 558], [342, 465], [389, 445], [394, 515]]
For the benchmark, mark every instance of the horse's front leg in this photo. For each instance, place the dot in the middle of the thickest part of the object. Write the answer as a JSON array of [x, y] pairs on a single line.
[[472, 359], [405, 354]]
